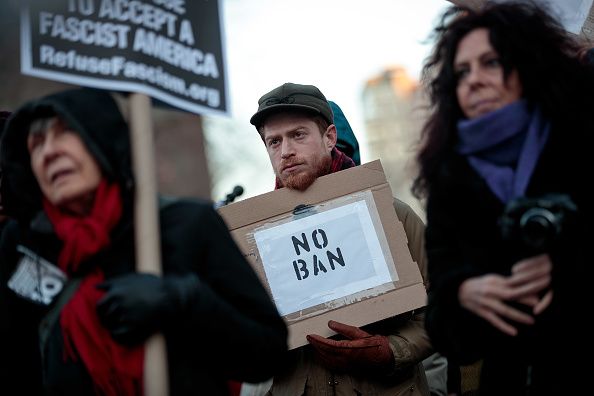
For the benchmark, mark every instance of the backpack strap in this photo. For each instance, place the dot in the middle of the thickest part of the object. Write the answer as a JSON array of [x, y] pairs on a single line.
[[51, 318]]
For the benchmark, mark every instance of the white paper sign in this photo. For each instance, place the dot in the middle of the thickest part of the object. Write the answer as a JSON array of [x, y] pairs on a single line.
[[322, 257], [571, 13]]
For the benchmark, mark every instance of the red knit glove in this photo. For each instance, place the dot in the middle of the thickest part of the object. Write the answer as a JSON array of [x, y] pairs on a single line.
[[361, 352]]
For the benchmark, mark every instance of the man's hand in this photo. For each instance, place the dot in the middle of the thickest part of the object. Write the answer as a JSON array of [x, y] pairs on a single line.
[[487, 295], [137, 305], [361, 352]]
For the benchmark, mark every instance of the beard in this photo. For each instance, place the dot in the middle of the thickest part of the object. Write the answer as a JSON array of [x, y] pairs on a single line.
[[301, 181]]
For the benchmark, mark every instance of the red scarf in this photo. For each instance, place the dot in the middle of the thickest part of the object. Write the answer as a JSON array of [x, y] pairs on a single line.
[[114, 369], [340, 161], [234, 388]]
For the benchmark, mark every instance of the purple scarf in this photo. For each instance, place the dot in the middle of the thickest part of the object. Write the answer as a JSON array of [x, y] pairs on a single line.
[[503, 146]]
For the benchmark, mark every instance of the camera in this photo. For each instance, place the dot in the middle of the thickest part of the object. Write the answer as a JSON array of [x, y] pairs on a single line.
[[537, 223]]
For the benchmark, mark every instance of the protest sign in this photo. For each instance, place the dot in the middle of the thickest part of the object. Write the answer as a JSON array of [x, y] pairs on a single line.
[[335, 251], [171, 50], [576, 16]]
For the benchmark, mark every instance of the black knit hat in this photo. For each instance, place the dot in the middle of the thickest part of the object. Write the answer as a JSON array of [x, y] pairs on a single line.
[[292, 96]]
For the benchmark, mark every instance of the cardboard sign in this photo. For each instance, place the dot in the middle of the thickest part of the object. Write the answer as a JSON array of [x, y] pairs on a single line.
[[336, 251], [322, 257], [169, 49]]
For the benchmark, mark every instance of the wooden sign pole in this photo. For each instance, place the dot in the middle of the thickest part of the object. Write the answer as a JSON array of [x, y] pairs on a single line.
[[146, 223]]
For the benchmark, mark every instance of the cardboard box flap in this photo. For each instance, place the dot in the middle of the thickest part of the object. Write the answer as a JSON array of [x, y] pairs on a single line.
[[274, 203], [360, 314]]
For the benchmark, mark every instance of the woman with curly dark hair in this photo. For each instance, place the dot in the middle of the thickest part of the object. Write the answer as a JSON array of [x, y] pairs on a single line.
[[501, 166]]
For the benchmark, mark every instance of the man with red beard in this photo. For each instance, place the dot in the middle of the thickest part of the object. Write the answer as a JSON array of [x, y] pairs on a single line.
[[300, 136], [296, 124]]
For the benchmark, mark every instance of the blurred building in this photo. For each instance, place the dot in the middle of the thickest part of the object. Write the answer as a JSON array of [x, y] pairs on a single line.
[[180, 154], [394, 111]]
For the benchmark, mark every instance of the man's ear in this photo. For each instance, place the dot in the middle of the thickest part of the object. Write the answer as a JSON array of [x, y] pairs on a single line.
[[330, 137]]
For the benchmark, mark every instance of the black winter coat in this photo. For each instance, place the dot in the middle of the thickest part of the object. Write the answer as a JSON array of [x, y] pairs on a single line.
[[232, 330], [463, 240]]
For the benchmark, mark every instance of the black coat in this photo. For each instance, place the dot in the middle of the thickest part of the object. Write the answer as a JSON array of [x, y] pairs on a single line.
[[463, 240], [232, 331]]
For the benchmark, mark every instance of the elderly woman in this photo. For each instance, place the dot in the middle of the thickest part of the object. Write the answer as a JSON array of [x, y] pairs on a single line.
[[508, 216], [74, 313]]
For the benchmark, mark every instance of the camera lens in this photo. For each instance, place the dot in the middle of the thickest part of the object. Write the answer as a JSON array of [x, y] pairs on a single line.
[[538, 226], [537, 223]]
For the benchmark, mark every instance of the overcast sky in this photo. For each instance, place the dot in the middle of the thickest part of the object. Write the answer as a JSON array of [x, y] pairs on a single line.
[[336, 45]]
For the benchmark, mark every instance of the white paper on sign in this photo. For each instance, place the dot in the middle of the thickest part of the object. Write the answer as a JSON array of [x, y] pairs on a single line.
[[322, 257], [571, 13]]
